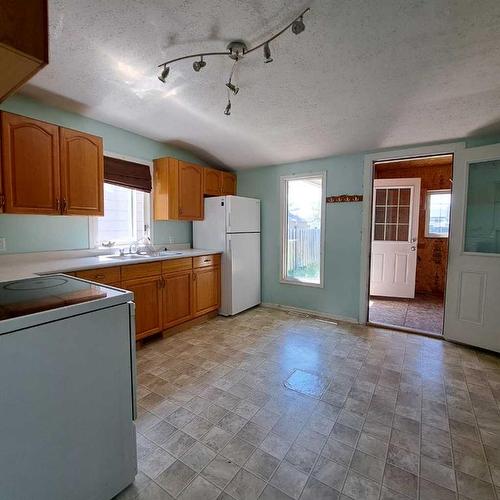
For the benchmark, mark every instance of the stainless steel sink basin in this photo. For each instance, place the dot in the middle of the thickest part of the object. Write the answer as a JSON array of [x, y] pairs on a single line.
[[130, 256], [127, 257]]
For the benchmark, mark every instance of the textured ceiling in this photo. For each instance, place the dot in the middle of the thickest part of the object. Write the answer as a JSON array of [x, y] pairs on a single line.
[[364, 75]]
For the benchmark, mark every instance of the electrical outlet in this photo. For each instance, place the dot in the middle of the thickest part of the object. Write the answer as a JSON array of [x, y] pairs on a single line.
[[3, 244]]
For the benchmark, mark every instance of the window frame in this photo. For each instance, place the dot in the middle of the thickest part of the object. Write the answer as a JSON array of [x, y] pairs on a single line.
[[284, 179], [428, 195], [94, 244]]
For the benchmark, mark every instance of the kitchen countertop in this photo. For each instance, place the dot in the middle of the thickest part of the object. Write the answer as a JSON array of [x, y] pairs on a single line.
[[18, 266]]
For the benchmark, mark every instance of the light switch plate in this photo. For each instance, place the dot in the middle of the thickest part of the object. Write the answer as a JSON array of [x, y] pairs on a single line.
[[3, 245]]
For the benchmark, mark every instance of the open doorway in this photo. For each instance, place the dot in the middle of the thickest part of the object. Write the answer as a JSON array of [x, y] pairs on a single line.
[[409, 242]]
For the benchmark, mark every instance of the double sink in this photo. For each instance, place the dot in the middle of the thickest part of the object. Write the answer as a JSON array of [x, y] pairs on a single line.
[[131, 256]]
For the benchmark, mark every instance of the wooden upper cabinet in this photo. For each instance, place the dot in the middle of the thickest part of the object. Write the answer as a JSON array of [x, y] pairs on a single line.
[[30, 165], [190, 191], [177, 190], [82, 173], [228, 183], [212, 182], [23, 42]]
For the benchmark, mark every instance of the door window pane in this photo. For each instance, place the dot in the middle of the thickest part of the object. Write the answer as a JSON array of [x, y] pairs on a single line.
[[303, 205], [482, 227], [392, 214]]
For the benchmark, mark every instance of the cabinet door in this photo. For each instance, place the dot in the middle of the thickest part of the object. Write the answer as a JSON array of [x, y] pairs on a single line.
[[177, 298], [30, 163], [228, 183], [82, 173], [206, 294], [148, 305], [212, 182], [190, 191]]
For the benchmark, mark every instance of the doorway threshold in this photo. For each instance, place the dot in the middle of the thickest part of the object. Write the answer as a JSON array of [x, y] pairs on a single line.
[[405, 329]]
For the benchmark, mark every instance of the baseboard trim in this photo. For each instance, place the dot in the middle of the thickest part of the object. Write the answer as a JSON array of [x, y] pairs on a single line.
[[310, 312]]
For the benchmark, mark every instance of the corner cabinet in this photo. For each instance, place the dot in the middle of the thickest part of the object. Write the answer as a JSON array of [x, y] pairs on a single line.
[[177, 190], [228, 183], [50, 170], [82, 173], [24, 42]]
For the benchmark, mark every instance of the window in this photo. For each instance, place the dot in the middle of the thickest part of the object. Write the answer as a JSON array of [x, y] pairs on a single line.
[[437, 214], [302, 227], [482, 226], [126, 216]]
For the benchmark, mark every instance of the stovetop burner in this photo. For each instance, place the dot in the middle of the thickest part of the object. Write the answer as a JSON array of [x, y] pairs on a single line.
[[35, 283]]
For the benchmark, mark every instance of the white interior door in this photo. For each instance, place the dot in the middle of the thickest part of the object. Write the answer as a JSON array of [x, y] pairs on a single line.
[[394, 237], [472, 313]]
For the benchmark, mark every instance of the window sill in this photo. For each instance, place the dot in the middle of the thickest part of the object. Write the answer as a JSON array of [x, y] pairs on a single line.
[[300, 283]]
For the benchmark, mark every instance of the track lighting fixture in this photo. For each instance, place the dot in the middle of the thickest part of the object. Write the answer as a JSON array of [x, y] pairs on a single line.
[[267, 53], [233, 88], [237, 50], [197, 65], [164, 74], [298, 26]]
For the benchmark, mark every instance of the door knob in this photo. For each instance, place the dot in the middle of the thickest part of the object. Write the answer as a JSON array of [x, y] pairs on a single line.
[[413, 248]]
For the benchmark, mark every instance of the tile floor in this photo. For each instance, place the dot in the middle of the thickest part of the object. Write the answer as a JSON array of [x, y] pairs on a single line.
[[424, 312], [401, 416]]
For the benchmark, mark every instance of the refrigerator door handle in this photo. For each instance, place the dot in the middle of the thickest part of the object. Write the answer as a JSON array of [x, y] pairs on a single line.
[[229, 221]]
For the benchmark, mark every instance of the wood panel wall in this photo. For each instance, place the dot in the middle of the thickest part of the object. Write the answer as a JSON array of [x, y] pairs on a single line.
[[432, 253]]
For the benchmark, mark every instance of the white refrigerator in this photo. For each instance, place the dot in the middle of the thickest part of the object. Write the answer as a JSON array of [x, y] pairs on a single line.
[[232, 225]]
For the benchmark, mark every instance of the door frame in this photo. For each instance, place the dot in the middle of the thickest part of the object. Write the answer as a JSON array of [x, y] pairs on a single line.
[[455, 148]]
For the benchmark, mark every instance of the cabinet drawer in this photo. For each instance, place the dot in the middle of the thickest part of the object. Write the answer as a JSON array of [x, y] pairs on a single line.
[[141, 270], [170, 266], [206, 261], [106, 275]]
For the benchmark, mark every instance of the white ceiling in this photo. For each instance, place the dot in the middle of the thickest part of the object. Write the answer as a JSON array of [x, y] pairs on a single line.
[[366, 74]]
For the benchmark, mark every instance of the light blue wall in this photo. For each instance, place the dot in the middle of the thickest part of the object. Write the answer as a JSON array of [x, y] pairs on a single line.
[[340, 295], [25, 233]]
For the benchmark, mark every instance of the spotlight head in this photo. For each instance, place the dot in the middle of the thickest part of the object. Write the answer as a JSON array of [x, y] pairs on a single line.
[[267, 54], [164, 74], [298, 26], [233, 88], [197, 65], [227, 111]]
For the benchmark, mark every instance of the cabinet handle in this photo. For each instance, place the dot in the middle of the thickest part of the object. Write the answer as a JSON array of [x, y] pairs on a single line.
[[206, 260], [2, 200], [163, 282], [58, 204], [64, 206], [158, 283], [194, 276], [180, 211], [100, 276]]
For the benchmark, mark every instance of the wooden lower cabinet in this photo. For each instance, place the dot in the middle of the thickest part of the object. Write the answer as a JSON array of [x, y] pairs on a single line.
[[148, 297], [206, 290], [166, 293], [177, 298]]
